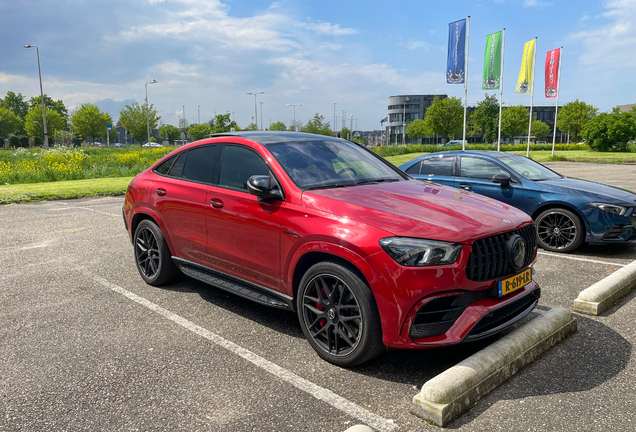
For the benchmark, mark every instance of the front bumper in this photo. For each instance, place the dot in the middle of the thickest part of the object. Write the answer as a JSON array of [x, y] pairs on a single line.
[[605, 227]]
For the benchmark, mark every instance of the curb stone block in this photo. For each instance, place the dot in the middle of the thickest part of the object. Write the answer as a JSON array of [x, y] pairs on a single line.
[[605, 293], [446, 396]]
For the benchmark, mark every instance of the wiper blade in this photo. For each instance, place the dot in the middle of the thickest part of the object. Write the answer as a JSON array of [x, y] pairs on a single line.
[[379, 180], [327, 186]]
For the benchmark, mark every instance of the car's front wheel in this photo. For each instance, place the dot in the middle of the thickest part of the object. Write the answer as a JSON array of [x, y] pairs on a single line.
[[338, 315], [152, 255], [559, 230]]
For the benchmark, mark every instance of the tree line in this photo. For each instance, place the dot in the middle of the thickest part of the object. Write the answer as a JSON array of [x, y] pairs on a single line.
[[19, 117], [603, 132]]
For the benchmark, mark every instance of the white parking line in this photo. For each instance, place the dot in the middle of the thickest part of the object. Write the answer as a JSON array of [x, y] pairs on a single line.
[[580, 259], [338, 402]]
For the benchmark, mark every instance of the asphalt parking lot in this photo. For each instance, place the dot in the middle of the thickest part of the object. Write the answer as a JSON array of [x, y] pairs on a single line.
[[86, 345]]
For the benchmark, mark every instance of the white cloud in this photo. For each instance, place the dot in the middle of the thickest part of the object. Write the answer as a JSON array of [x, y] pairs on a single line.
[[611, 47], [584, 18], [176, 68], [274, 5], [535, 3], [607, 59], [325, 28], [330, 46], [413, 45]]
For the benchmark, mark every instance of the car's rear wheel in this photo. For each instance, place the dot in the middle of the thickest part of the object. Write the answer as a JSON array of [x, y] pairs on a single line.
[[559, 230], [152, 255], [338, 315]]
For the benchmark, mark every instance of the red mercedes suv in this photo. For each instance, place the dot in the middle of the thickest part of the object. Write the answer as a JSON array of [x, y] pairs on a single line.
[[366, 256]]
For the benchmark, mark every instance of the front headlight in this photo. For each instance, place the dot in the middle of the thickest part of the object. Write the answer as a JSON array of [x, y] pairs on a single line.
[[414, 252], [610, 208]]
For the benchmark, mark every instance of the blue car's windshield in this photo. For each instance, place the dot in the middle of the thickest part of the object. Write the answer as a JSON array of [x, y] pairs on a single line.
[[528, 168]]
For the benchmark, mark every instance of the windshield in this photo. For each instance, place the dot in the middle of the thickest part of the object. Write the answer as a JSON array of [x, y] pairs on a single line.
[[327, 164], [528, 168]]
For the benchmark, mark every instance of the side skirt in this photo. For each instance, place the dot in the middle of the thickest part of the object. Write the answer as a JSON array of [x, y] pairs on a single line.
[[240, 287]]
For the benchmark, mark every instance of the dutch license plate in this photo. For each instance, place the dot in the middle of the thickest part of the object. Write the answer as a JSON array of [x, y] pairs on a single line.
[[515, 282]]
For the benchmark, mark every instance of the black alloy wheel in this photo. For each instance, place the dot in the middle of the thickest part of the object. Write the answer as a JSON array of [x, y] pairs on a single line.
[[559, 230], [152, 255], [338, 315]]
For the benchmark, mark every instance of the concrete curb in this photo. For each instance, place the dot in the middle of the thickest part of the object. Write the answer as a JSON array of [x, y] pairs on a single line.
[[447, 395], [359, 428], [604, 294]]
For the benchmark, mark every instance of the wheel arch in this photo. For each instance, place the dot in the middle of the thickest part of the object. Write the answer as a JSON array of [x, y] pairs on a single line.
[[564, 206], [313, 257], [145, 214]]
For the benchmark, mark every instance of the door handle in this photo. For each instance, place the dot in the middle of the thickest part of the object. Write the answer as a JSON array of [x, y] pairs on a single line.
[[216, 203], [161, 192], [465, 186]]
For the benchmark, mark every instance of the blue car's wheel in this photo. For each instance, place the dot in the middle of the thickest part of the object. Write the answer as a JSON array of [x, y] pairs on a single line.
[[559, 230]]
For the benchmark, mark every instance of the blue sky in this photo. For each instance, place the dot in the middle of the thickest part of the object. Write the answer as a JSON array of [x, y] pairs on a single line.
[[356, 53]]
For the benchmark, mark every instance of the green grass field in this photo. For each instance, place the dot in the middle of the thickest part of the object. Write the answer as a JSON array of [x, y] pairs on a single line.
[[63, 190]]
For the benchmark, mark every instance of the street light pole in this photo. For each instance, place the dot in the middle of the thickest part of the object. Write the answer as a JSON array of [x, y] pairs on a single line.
[[147, 109], [335, 119], [344, 119], [295, 105], [350, 126], [261, 104], [46, 136], [255, 110]]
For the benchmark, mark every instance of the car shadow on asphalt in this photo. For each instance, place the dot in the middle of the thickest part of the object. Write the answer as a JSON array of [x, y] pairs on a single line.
[[415, 367], [592, 356], [282, 321]]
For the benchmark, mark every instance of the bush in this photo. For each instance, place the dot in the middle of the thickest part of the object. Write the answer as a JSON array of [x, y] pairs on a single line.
[[396, 150], [24, 141], [14, 141], [610, 132], [70, 163], [37, 142]]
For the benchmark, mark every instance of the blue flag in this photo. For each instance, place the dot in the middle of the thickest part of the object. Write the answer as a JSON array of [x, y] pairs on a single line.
[[456, 52]]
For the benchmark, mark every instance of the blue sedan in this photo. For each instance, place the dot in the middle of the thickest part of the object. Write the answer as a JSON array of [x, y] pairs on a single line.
[[566, 211]]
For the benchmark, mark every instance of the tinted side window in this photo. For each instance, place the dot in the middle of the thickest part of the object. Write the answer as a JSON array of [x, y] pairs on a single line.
[[437, 166], [238, 165], [177, 168], [480, 168], [415, 169], [198, 166], [164, 167]]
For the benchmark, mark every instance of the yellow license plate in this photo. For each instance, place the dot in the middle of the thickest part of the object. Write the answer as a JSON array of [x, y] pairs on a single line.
[[515, 282]]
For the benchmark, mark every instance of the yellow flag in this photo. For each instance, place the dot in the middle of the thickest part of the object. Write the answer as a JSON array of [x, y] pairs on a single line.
[[524, 83]]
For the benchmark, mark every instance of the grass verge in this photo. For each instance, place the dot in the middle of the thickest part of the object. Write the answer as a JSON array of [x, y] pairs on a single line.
[[63, 190]]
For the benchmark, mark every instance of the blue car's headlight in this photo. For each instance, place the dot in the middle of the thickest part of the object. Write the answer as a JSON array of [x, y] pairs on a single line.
[[610, 208], [414, 252]]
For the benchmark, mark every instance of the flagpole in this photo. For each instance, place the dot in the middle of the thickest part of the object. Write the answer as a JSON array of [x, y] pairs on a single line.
[[556, 108], [466, 79], [534, 63], [503, 53]]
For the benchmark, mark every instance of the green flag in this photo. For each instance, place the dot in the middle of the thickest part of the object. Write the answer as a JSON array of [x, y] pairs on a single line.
[[492, 62]]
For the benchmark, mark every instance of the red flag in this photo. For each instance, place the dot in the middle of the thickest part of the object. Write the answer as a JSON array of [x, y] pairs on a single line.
[[552, 72]]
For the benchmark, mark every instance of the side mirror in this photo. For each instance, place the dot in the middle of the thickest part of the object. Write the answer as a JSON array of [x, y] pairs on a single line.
[[260, 185], [503, 179]]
